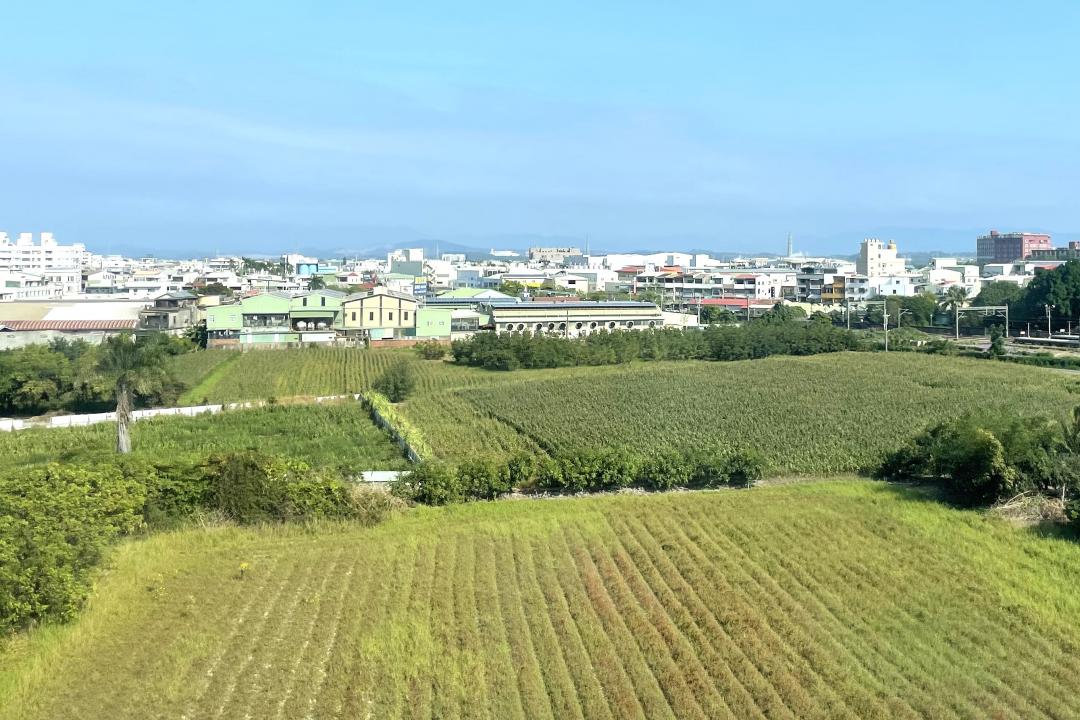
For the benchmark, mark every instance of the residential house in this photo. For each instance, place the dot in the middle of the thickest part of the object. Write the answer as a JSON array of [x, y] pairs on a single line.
[[379, 314]]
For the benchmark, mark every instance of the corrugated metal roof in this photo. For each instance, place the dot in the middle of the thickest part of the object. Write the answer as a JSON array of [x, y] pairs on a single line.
[[69, 325]]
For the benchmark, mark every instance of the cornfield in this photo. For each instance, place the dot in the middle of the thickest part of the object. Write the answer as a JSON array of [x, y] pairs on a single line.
[[813, 415], [827, 600]]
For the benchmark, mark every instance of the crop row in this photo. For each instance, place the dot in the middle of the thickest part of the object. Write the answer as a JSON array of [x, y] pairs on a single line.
[[819, 415], [831, 601]]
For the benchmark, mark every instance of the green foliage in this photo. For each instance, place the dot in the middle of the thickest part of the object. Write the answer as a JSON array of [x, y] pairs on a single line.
[[592, 470], [430, 350], [430, 483], [997, 342], [73, 375], [745, 468], [54, 525], [1059, 287], [397, 381], [512, 288], [781, 313], [980, 459], [768, 336], [998, 292], [250, 487], [401, 426]]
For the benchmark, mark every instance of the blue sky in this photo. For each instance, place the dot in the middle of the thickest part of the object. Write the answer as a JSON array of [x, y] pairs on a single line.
[[265, 126]]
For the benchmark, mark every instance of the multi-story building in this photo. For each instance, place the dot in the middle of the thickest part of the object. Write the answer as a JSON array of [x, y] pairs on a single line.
[[1072, 252], [172, 312], [1005, 247], [573, 319], [26, 255], [553, 255], [877, 258], [26, 286], [379, 314], [275, 318]]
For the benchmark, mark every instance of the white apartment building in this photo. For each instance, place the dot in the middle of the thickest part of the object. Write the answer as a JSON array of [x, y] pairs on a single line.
[[68, 280], [899, 285], [877, 259], [26, 286], [26, 255]]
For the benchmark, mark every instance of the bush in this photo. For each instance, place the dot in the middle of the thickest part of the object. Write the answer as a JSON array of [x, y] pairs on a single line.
[[484, 478], [431, 483], [744, 468], [430, 350], [665, 470], [249, 487], [396, 382], [54, 525]]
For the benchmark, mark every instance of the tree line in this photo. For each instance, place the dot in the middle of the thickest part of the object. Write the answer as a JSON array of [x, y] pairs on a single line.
[[76, 376], [775, 333]]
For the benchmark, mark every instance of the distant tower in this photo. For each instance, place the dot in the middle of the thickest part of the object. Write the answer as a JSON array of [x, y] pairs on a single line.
[[790, 247]]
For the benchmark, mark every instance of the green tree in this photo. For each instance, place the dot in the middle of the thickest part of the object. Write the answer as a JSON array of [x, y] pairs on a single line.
[[316, 283], [955, 298], [920, 309], [1059, 287], [512, 288], [997, 341], [998, 292], [214, 288], [397, 381], [135, 367]]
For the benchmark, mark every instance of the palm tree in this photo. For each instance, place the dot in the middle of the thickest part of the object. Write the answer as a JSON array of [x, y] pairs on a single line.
[[955, 298], [136, 366]]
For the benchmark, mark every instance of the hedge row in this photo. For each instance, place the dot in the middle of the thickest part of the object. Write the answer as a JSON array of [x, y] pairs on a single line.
[[440, 483], [385, 411]]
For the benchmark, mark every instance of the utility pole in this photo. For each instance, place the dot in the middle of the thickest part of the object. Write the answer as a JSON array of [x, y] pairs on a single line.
[[884, 318], [1049, 330]]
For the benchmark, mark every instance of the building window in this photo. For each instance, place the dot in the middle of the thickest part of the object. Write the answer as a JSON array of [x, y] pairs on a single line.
[[405, 316], [371, 315], [354, 317], [390, 315], [322, 301], [304, 302]]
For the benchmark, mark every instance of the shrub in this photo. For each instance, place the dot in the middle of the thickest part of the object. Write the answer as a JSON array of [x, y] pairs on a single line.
[[431, 483], [396, 382], [249, 487], [483, 478], [430, 350], [665, 470], [744, 468], [54, 525]]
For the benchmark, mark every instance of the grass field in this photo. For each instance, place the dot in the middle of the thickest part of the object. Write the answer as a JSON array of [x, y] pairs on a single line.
[[338, 434], [842, 599]]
